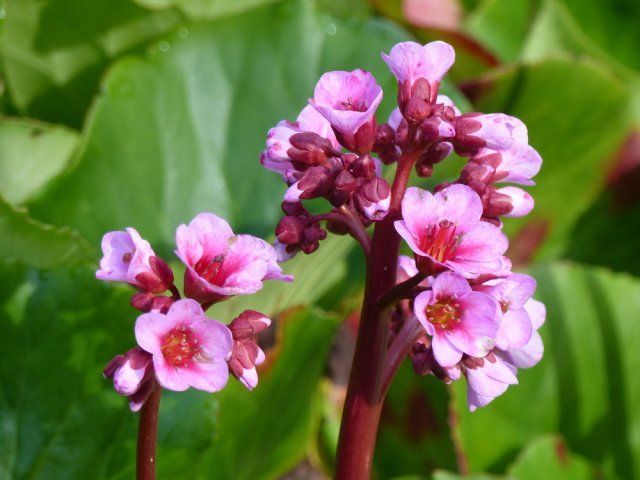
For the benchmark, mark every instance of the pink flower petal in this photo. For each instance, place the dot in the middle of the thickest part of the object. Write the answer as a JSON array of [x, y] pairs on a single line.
[[461, 205], [445, 353]]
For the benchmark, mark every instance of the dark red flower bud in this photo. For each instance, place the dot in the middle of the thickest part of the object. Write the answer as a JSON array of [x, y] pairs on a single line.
[[160, 268], [346, 182], [365, 138], [142, 301], [316, 182], [162, 304], [312, 142], [150, 282], [372, 198], [290, 229], [364, 167], [496, 204], [385, 135], [293, 208]]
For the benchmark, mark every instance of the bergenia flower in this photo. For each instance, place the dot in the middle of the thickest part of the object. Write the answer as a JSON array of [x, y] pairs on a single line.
[[221, 264], [276, 157], [531, 353], [132, 375], [348, 100], [487, 378], [511, 294], [188, 348], [493, 131], [446, 228], [127, 257], [410, 61], [459, 320], [246, 353]]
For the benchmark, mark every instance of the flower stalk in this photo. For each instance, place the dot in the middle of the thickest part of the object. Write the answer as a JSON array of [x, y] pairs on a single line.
[[147, 435]]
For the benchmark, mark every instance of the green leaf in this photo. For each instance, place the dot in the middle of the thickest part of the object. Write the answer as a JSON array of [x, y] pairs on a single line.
[[34, 243], [52, 70], [586, 386], [31, 155], [574, 129], [601, 236], [59, 417], [547, 457], [181, 133], [206, 9], [442, 475], [414, 435], [501, 25]]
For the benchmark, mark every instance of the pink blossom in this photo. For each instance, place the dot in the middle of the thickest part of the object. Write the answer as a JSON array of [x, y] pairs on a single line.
[[246, 353], [446, 228], [459, 319], [520, 200], [511, 294], [221, 264], [487, 379], [348, 100], [127, 257], [132, 375], [531, 353], [410, 61], [188, 349], [276, 156], [495, 131]]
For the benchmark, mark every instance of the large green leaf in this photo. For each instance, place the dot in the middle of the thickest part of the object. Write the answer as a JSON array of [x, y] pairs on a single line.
[[181, 132], [60, 419], [31, 154], [574, 129], [586, 386], [55, 51], [34, 243], [206, 9], [547, 457]]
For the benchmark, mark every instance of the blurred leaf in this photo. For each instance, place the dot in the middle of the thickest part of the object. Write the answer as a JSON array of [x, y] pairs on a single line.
[[501, 25], [182, 132], [574, 129], [206, 9], [264, 433], [414, 436], [586, 386], [313, 275], [31, 154], [612, 25], [56, 50], [34, 243], [59, 418], [547, 457], [442, 475], [602, 236]]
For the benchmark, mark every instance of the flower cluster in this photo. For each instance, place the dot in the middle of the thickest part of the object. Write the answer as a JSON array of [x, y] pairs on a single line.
[[478, 318], [178, 345]]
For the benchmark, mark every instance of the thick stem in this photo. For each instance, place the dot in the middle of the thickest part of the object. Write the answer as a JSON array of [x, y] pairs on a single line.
[[147, 436], [364, 401]]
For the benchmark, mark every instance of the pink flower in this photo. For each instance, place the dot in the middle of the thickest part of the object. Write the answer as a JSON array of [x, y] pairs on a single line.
[[221, 264], [446, 228], [522, 203], [531, 353], [132, 375], [511, 294], [188, 349], [348, 100], [246, 353], [276, 156], [495, 131], [410, 61], [459, 319], [487, 378], [127, 257]]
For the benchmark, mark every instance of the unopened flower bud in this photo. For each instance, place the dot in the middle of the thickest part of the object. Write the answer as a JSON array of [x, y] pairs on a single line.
[[365, 138], [521, 202], [373, 198], [289, 230], [246, 353], [142, 301]]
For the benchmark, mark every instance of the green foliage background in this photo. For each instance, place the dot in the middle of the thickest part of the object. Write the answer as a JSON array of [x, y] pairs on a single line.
[[143, 113]]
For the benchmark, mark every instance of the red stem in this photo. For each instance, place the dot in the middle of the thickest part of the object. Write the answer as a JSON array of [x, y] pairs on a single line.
[[364, 401], [147, 436]]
